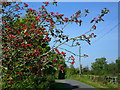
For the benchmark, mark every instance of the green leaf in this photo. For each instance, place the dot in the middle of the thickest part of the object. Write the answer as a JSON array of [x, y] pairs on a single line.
[[39, 46], [92, 21]]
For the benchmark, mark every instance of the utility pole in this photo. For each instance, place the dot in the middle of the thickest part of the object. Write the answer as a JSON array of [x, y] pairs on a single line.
[[80, 60]]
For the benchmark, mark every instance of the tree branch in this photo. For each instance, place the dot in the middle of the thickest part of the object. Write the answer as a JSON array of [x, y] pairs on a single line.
[[68, 51], [64, 43]]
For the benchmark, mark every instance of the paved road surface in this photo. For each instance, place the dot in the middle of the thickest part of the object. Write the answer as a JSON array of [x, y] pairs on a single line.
[[75, 85]]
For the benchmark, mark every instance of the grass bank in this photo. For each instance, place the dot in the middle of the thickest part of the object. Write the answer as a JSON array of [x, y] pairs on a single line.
[[85, 79]]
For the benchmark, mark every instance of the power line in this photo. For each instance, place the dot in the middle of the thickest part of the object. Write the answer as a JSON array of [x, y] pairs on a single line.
[[106, 33], [113, 19]]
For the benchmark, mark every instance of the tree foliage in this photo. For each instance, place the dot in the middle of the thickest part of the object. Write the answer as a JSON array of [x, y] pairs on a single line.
[[27, 59], [99, 66], [102, 67]]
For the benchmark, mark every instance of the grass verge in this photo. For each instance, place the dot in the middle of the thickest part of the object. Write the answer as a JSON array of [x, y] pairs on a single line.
[[95, 84]]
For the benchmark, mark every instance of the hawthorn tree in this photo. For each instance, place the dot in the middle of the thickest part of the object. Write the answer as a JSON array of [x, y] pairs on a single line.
[[27, 58]]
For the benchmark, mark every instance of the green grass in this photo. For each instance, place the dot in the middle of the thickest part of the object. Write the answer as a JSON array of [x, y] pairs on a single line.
[[95, 84], [111, 85]]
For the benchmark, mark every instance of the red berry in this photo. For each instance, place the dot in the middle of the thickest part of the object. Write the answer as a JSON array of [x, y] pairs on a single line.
[[22, 44], [52, 12], [83, 35], [30, 9], [39, 15], [66, 18], [24, 28], [99, 16], [41, 33], [72, 62], [25, 46], [17, 72], [20, 39], [46, 3], [43, 6], [16, 45], [73, 59], [77, 42], [85, 55], [27, 33], [94, 35], [94, 26], [62, 68], [9, 75], [29, 45], [76, 21], [61, 14], [38, 52], [12, 37], [3, 22], [5, 48], [54, 60], [33, 54], [46, 34], [72, 56], [17, 4], [94, 18], [59, 65], [57, 13], [8, 55], [63, 53], [26, 5]]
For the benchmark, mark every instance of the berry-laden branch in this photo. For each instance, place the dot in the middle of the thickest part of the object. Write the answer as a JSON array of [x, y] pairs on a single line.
[[83, 37]]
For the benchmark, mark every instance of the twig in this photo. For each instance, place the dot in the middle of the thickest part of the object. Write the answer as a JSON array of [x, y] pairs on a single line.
[[68, 51], [70, 45]]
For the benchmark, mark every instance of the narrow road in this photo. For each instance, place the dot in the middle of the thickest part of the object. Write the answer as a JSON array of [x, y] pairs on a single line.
[[75, 85]]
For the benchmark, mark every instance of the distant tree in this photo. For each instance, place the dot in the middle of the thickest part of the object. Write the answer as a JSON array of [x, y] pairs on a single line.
[[85, 70], [99, 66], [72, 69], [118, 71], [111, 69], [118, 65]]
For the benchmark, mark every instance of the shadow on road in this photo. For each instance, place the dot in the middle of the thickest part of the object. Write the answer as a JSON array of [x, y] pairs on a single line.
[[69, 84], [75, 87], [64, 86]]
